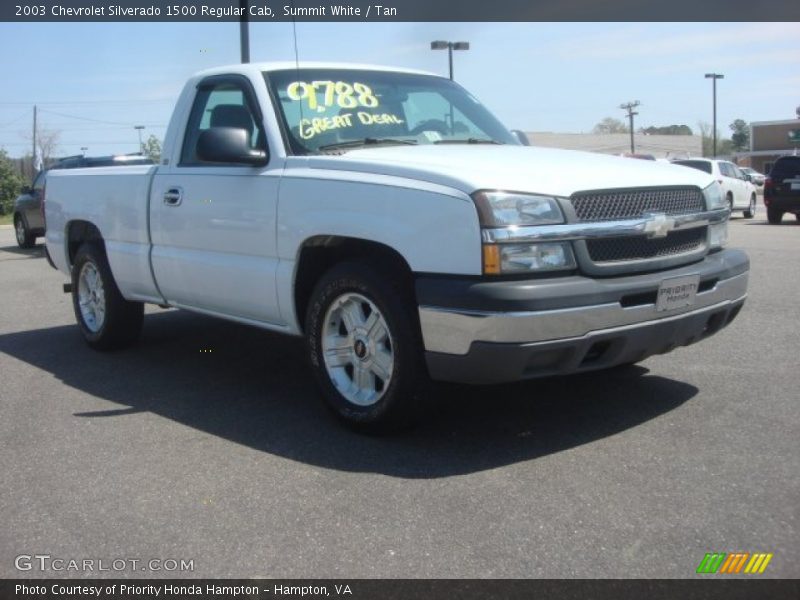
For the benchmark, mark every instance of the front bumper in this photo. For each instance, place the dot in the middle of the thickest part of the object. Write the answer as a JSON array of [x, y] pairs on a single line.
[[488, 332]]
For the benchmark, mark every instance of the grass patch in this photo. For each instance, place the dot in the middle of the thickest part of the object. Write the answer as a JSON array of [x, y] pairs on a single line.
[[6, 219]]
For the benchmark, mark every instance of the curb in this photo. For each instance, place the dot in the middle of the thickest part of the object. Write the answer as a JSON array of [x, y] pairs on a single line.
[[6, 227]]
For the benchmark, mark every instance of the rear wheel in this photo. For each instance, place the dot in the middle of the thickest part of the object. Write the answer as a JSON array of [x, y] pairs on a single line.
[[24, 237], [106, 320], [365, 349], [750, 212], [774, 216]]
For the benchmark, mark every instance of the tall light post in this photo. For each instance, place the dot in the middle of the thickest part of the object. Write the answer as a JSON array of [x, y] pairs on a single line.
[[139, 129], [244, 31], [713, 77], [449, 46]]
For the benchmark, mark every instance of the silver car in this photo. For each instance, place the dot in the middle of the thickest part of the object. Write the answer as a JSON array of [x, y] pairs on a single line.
[[28, 217]]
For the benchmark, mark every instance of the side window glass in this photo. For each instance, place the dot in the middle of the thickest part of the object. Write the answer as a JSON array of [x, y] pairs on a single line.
[[223, 105]]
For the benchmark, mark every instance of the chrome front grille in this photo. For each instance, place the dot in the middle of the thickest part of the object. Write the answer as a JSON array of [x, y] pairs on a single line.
[[617, 255], [643, 248], [631, 204]]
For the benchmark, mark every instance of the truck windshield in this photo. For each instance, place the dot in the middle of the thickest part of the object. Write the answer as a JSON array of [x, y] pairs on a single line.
[[333, 110]]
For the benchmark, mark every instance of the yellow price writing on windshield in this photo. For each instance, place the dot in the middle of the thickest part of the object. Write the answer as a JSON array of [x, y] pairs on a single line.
[[341, 93]]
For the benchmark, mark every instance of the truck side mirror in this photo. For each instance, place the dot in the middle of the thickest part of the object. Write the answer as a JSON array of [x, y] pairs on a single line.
[[228, 145], [521, 136]]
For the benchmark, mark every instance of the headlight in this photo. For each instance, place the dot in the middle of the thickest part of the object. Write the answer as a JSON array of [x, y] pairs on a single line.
[[714, 198], [501, 209], [526, 258]]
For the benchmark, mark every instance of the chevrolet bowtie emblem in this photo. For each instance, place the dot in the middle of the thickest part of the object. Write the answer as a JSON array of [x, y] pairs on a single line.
[[658, 225]]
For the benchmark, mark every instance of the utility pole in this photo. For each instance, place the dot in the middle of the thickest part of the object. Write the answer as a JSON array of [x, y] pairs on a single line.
[[139, 129], [33, 156], [244, 31], [629, 106]]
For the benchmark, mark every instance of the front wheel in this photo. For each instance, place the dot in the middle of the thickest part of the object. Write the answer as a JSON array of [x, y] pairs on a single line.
[[106, 320], [750, 211], [24, 237], [364, 347], [774, 216]]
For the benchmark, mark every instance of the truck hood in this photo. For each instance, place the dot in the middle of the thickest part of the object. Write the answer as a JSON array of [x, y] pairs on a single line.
[[513, 168]]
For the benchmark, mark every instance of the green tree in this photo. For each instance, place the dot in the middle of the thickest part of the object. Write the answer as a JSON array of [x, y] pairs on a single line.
[[10, 183], [152, 148], [741, 135], [610, 125], [668, 130]]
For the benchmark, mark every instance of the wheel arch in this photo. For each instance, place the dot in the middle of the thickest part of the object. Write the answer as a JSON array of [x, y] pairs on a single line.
[[79, 232], [319, 253]]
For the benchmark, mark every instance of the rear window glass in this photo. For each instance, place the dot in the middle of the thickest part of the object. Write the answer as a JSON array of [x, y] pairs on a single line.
[[787, 167], [700, 165]]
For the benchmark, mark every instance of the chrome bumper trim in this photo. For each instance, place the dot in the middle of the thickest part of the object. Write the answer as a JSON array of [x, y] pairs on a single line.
[[599, 229], [453, 331]]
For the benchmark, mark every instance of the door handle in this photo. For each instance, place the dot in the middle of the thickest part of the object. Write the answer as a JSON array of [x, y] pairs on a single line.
[[173, 196]]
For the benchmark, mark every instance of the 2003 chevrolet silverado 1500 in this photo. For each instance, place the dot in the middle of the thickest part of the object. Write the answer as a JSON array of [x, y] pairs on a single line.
[[389, 218]]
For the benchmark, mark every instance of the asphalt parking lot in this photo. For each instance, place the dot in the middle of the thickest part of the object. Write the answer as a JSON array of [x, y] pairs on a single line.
[[207, 443]]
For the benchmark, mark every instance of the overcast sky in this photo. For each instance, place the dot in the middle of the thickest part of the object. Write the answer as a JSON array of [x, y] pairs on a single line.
[[95, 81]]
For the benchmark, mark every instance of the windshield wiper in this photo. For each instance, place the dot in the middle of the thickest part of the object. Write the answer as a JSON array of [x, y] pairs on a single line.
[[471, 140], [366, 142]]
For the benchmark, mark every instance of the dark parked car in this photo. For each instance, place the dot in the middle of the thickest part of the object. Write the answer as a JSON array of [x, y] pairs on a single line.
[[28, 218], [782, 189]]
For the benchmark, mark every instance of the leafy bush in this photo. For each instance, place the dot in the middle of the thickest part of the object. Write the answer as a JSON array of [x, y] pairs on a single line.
[[10, 183]]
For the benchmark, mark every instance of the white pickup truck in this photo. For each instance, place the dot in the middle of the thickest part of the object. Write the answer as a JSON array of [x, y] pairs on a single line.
[[390, 219]]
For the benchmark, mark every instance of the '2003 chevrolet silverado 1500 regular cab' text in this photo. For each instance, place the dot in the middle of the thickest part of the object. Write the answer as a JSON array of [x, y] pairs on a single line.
[[391, 220]]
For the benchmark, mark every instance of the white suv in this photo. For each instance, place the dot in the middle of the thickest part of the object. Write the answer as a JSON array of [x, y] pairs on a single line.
[[736, 188]]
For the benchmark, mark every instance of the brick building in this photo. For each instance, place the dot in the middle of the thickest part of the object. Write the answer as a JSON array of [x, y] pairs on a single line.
[[768, 141]]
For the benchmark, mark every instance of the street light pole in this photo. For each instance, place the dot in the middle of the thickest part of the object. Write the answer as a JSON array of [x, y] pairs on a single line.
[[244, 31], [714, 77], [450, 59], [450, 46]]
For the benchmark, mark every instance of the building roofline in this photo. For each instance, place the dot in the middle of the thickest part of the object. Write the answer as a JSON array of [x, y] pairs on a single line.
[[784, 122], [782, 152]]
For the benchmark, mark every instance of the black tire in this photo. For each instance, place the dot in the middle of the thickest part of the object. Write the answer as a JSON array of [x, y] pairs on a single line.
[[797, 216], [398, 403], [750, 212], [121, 323], [24, 237], [774, 216]]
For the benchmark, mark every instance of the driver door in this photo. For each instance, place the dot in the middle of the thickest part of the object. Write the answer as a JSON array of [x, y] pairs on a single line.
[[213, 225]]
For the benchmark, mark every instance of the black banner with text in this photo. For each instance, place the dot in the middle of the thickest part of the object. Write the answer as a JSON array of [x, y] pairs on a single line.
[[404, 589], [399, 10]]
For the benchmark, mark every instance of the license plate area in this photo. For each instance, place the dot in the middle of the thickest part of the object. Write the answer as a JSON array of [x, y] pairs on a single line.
[[677, 292]]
